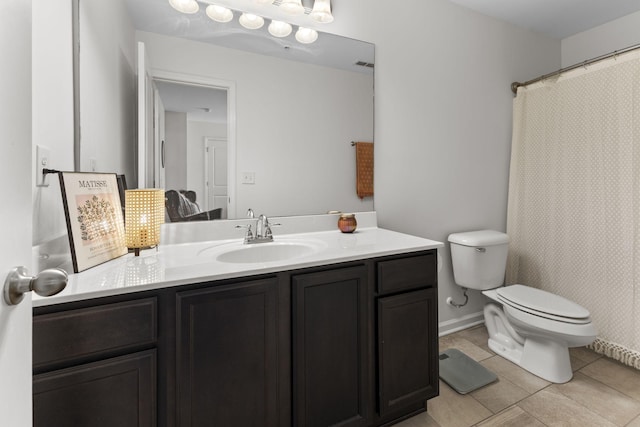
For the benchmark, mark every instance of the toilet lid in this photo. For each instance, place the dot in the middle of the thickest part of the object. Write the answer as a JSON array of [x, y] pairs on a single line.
[[542, 303]]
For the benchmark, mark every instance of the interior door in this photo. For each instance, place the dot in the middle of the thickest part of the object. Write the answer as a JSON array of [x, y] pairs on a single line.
[[158, 139], [216, 175], [16, 179]]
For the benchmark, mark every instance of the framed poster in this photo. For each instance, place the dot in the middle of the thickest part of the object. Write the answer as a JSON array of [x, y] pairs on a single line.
[[93, 212]]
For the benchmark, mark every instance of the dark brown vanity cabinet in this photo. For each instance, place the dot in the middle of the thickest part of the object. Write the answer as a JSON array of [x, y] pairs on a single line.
[[96, 366], [330, 348], [349, 344], [227, 348], [407, 333]]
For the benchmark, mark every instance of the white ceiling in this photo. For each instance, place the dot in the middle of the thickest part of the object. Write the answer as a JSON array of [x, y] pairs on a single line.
[[556, 18]]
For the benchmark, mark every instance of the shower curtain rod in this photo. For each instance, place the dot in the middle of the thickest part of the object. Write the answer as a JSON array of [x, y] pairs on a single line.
[[516, 85]]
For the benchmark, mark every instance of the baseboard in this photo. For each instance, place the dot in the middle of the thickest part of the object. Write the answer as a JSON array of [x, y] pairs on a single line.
[[454, 325]]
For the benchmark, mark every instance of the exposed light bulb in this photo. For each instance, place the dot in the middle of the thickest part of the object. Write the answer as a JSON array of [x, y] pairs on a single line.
[[251, 21], [185, 6], [292, 7], [280, 29], [322, 11], [306, 35], [219, 13]]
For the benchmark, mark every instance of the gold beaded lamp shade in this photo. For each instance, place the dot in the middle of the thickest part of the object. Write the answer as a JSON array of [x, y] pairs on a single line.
[[144, 212]]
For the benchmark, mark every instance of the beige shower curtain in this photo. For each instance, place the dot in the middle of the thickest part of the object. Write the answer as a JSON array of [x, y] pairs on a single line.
[[574, 196]]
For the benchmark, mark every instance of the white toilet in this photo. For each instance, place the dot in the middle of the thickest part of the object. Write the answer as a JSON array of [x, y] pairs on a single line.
[[527, 326]]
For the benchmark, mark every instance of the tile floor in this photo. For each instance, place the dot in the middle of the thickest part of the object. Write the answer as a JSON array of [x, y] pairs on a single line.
[[602, 393]]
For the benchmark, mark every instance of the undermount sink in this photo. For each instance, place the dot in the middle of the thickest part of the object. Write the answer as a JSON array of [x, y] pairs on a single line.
[[278, 250]]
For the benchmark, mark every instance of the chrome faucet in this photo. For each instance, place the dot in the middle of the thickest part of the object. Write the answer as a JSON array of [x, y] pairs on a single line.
[[263, 232]]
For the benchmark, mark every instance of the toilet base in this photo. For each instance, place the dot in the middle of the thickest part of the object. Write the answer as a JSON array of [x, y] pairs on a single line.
[[543, 357]]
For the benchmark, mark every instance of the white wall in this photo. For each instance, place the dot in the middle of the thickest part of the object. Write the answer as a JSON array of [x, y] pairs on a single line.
[[52, 83], [175, 147], [107, 98], [443, 117], [107, 88], [196, 133], [302, 175], [614, 35]]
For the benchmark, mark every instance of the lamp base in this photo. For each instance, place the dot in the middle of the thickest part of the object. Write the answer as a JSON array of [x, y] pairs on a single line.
[[136, 251]]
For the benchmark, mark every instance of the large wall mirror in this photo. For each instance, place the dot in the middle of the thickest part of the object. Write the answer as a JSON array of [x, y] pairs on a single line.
[[238, 117]]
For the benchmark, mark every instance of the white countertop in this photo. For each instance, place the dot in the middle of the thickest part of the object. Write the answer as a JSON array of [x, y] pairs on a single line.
[[186, 263]]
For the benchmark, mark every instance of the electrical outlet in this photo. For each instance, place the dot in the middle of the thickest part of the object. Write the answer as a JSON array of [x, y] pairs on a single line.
[[248, 177], [43, 155]]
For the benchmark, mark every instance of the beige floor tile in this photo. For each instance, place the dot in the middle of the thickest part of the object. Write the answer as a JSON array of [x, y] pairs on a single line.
[[451, 409], [464, 345], [477, 335], [634, 423], [512, 372], [617, 376], [581, 357], [601, 399], [555, 409], [421, 420], [585, 354], [499, 395], [512, 417]]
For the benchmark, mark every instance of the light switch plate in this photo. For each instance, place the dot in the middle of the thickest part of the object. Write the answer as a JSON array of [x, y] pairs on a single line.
[[43, 158], [248, 177]]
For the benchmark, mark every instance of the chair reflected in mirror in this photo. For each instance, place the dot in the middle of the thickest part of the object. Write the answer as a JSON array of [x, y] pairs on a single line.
[[182, 206]]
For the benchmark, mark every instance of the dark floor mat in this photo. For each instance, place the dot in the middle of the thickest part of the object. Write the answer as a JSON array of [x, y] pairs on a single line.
[[462, 373]]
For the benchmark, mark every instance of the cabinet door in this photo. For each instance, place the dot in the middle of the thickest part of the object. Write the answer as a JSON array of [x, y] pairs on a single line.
[[113, 392], [407, 349], [330, 360], [226, 361]]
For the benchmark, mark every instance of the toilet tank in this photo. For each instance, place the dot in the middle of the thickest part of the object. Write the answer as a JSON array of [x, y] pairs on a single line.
[[479, 258]]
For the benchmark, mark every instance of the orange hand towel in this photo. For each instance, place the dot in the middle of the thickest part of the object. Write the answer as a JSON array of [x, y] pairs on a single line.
[[364, 169]]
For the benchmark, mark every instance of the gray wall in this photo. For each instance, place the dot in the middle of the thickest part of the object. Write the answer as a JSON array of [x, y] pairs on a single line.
[[443, 119]]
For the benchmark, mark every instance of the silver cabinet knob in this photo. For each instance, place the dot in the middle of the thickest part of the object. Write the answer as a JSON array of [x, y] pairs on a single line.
[[48, 282]]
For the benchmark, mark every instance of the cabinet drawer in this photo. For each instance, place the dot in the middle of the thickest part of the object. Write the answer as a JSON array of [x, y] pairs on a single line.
[[113, 392], [406, 273], [75, 334]]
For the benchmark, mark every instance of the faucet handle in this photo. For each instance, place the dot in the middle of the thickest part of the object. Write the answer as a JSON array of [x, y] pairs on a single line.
[[267, 232], [249, 236]]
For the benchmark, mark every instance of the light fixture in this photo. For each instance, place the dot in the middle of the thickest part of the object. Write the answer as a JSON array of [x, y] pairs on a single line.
[[144, 212], [251, 21], [322, 11], [185, 6], [292, 7], [306, 35], [280, 29], [219, 13]]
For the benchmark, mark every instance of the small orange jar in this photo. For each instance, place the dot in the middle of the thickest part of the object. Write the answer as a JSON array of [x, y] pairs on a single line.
[[347, 223]]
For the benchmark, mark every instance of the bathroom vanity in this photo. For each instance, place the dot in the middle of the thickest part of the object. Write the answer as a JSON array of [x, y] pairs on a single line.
[[346, 335]]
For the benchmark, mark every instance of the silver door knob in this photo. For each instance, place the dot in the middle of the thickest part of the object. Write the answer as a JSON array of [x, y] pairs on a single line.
[[48, 282]]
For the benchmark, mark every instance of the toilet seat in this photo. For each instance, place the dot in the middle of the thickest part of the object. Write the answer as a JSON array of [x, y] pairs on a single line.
[[543, 304]]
